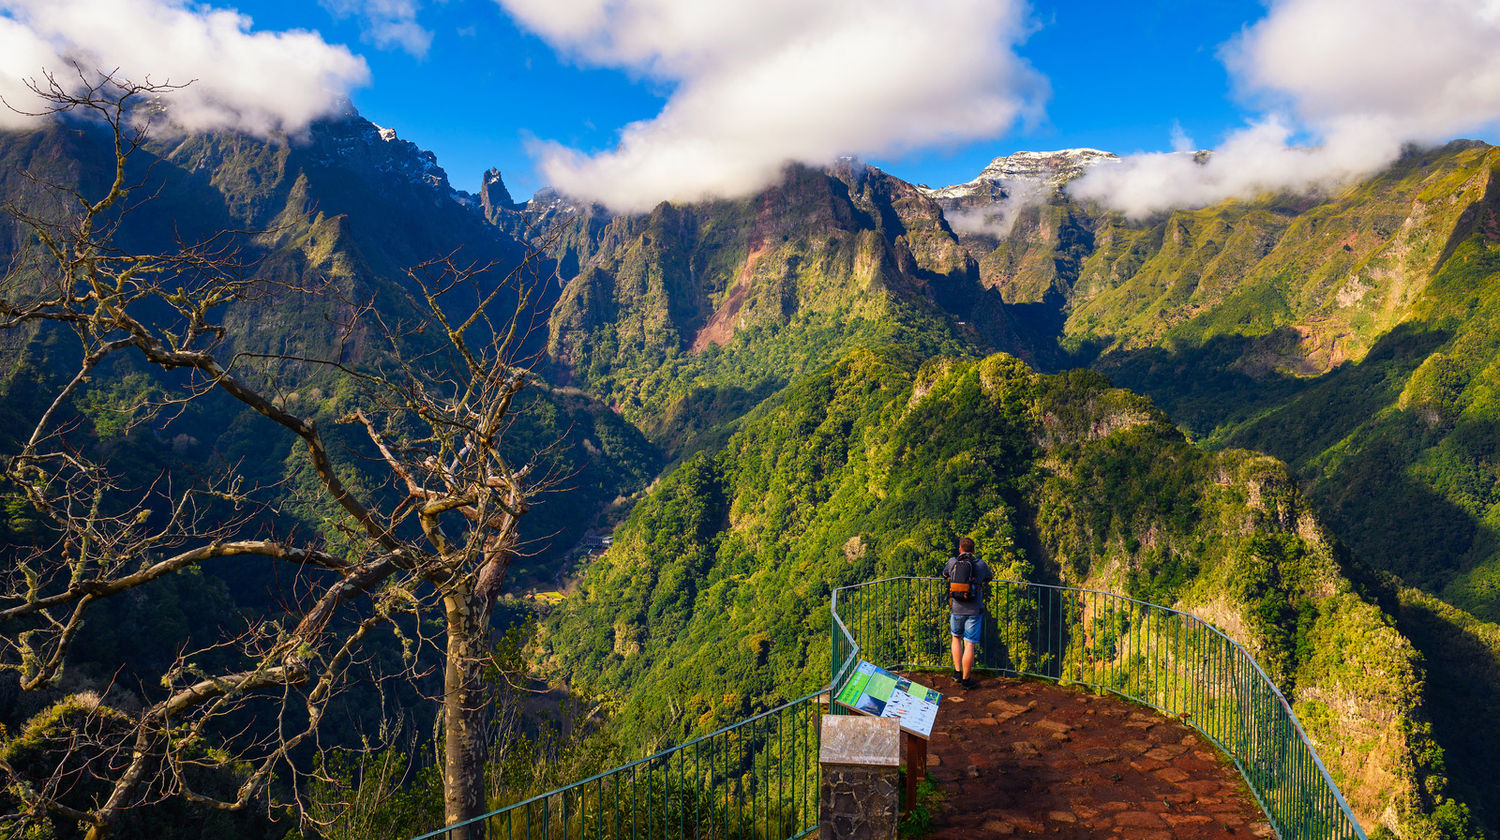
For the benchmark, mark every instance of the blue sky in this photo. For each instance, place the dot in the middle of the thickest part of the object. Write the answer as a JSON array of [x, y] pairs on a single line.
[[1120, 75], [632, 102]]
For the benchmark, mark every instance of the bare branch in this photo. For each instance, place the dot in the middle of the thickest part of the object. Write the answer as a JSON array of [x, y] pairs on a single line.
[[433, 539]]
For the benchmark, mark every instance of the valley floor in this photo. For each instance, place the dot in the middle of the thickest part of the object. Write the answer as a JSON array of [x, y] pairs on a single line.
[[1015, 757]]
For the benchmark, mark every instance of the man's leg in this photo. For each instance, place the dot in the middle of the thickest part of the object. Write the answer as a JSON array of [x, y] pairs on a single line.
[[973, 631], [958, 654]]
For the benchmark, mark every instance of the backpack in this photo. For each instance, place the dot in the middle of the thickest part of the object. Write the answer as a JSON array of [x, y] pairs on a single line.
[[962, 583]]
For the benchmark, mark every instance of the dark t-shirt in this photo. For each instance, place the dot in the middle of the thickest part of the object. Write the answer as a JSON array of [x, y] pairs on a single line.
[[982, 574]]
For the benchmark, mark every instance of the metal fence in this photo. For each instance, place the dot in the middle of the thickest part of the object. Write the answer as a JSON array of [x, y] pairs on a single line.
[[1154, 655], [753, 780], [758, 779]]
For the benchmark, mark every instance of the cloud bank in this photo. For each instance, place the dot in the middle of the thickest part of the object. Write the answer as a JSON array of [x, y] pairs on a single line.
[[258, 82], [760, 83], [1358, 79]]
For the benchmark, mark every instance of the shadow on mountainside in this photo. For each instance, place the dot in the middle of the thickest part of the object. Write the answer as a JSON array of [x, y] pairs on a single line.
[[1206, 389], [1354, 451], [707, 416], [1463, 691]]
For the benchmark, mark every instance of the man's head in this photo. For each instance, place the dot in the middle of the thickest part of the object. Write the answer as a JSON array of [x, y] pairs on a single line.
[[965, 546]]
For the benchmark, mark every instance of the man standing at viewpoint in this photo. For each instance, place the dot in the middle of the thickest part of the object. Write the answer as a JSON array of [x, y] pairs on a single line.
[[966, 621]]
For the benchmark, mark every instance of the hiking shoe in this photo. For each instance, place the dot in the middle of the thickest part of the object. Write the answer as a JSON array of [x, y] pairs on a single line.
[[958, 676], [969, 682]]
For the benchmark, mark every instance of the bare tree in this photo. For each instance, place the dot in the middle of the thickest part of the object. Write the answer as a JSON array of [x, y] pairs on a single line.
[[434, 536]]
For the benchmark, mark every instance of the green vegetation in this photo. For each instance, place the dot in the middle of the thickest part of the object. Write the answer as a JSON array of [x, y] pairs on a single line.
[[917, 817], [807, 361], [713, 597], [688, 317], [1415, 414], [712, 602]]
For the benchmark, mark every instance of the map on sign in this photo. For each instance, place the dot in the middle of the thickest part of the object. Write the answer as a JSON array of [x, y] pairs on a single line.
[[877, 692]]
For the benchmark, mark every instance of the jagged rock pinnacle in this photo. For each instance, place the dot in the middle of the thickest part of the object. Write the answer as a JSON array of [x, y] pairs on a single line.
[[493, 196]]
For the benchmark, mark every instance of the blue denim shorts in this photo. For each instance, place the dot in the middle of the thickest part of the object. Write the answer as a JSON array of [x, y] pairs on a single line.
[[966, 627]]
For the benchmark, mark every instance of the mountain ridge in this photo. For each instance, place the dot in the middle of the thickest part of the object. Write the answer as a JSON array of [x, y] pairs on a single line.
[[826, 351], [1054, 168], [1248, 322]]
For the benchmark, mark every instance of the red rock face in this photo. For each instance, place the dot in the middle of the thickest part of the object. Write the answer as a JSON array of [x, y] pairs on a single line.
[[1020, 758], [720, 327]]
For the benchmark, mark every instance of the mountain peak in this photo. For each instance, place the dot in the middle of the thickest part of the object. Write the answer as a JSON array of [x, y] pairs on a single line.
[[355, 142], [1053, 169], [1060, 166], [493, 196]]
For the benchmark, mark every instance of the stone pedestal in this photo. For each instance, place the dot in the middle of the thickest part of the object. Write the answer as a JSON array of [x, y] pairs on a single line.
[[858, 796]]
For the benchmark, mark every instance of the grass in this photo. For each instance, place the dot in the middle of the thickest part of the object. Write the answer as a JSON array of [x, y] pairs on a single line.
[[917, 816]]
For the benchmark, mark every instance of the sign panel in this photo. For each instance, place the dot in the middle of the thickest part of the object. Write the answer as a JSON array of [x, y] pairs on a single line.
[[879, 693]]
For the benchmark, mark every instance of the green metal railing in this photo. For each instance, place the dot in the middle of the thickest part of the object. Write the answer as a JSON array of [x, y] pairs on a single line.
[[758, 779], [1165, 658], [752, 780]]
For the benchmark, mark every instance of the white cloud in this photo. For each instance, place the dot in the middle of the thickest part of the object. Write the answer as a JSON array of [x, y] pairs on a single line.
[[1362, 78], [251, 81], [1257, 159], [760, 83], [997, 219], [1181, 142], [387, 23], [1429, 64]]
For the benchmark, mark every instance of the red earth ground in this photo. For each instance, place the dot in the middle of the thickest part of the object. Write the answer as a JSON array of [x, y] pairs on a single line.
[[1020, 757]]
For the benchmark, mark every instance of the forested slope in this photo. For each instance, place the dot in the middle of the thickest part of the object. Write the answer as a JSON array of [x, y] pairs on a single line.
[[1353, 335], [686, 317], [324, 229], [713, 601], [1349, 332]]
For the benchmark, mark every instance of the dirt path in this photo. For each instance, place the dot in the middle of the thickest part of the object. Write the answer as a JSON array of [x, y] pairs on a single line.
[[1030, 758]]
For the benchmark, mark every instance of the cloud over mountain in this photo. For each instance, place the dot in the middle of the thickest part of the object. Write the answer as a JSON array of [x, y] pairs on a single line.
[[759, 83], [252, 81], [1355, 80]]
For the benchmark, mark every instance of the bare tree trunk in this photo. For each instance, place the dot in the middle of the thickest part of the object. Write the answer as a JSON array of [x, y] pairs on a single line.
[[437, 419], [463, 707]]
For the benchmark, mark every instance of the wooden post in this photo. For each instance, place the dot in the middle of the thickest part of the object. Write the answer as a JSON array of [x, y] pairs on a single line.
[[916, 766]]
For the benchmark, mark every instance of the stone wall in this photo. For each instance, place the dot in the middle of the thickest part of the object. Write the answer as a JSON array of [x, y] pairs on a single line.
[[858, 796]]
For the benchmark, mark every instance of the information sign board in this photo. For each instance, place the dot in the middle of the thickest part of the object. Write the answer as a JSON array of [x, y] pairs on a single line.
[[877, 692]]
